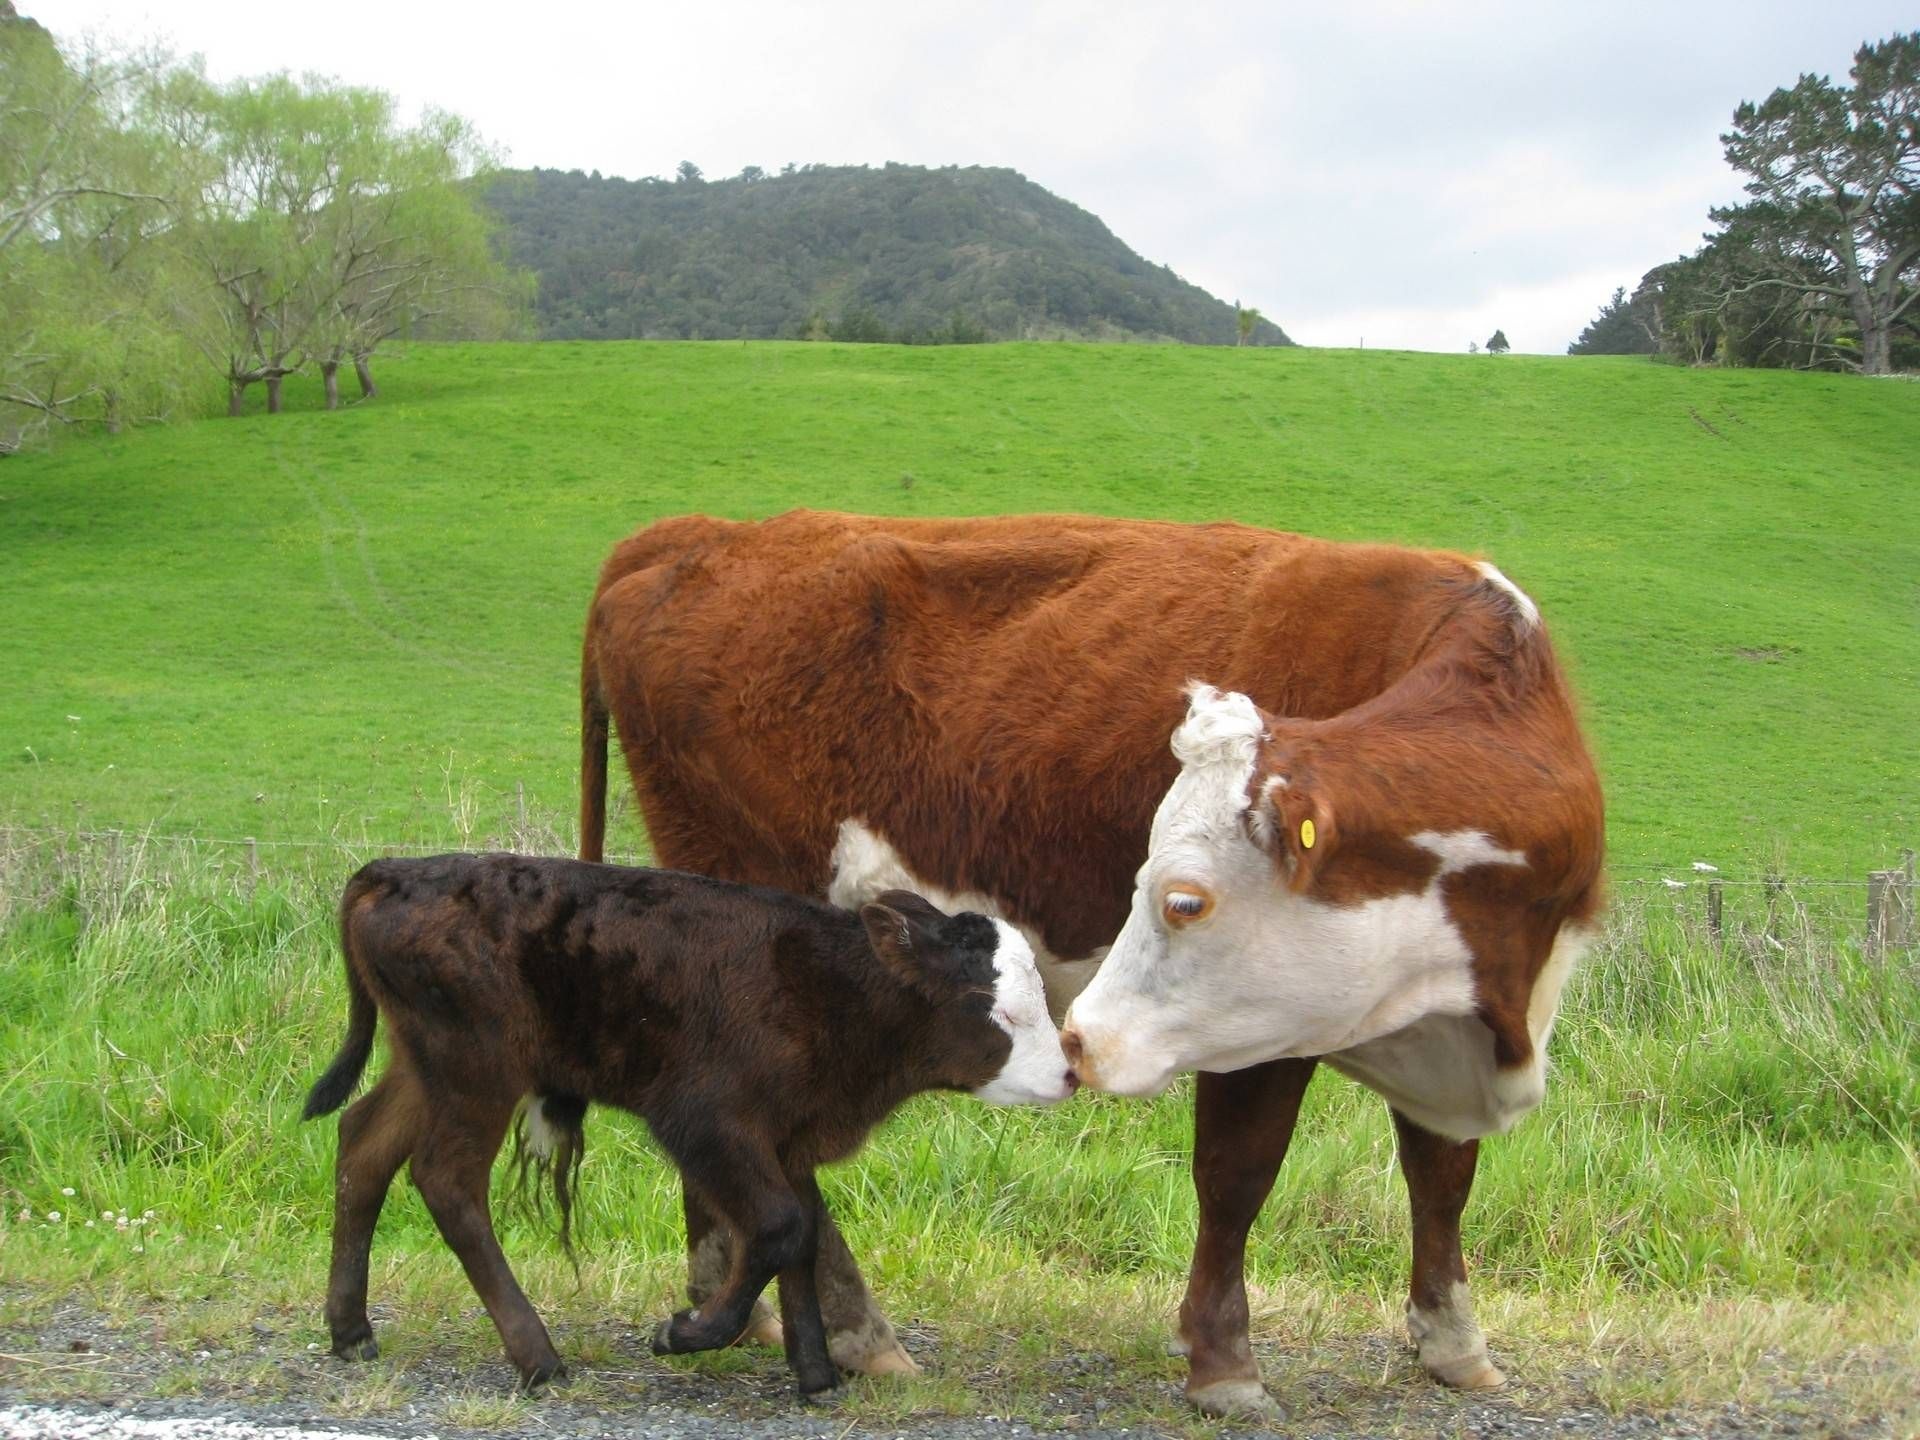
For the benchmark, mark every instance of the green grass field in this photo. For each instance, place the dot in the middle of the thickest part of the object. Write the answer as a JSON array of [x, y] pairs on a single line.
[[338, 631], [318, 623]]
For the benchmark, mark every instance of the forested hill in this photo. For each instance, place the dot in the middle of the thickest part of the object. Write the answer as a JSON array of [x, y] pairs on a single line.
[[896, 253]]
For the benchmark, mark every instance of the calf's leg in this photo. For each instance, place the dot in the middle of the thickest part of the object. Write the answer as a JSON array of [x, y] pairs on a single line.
[[710, 1255], [452, 1168], [743, 1183], [377, 1133], [1242, 1125], [805, 1332], [1439, 1175]]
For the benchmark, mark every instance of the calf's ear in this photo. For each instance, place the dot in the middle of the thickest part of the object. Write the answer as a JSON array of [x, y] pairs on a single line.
[[899, 929]]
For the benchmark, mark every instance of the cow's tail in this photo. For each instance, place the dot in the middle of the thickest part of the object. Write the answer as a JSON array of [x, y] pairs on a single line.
[[593, 754], [331, 1090]]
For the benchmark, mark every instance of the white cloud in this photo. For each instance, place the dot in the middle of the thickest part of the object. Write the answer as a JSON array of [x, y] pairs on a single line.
[[1390, 164]]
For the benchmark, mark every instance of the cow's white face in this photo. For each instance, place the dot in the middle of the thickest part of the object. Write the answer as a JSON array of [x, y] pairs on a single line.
[[1036, 1072], [1221, 964]]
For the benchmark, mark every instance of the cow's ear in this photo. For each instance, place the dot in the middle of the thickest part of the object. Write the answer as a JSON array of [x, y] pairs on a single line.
[[1292, 822], [899, 927]]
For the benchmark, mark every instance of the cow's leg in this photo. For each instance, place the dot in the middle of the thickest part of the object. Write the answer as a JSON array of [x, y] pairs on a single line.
[[1439, 1175], [1242, 1125], [452, 1168], [377, 1133], [806, 1333], [859, 1335]]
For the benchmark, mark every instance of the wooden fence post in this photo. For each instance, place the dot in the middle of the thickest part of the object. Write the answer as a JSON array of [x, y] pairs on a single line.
[[1713, 908], [1889, 912]]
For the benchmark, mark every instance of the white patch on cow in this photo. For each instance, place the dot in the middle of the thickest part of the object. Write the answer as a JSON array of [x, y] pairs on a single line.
[[1036, 1072], [1529, 612], [864, 865], [543, 1136], [1385, 986]]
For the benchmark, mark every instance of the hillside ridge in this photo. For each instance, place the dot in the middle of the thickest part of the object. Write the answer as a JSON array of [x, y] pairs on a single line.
[[894, 252]]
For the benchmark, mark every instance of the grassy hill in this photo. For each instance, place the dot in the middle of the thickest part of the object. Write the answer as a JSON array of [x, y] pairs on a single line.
[[366, 623], [899, 252]]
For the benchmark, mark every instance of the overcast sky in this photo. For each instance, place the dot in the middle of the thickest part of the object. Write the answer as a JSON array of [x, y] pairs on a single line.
[[1408, 175]]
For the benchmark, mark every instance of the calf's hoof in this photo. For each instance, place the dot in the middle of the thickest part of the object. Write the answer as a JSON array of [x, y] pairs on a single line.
[[547, 1370], [821, 1393], [1451, 1345], [1236, 1399], [356, 1344], [859, 1355], [663, 1335]]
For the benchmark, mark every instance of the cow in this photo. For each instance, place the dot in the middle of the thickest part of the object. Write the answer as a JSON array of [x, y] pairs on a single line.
[[758, 1033], [1376, 839]]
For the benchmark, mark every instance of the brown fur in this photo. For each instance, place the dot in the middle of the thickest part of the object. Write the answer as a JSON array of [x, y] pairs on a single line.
[[759, 1035], [995, 696]]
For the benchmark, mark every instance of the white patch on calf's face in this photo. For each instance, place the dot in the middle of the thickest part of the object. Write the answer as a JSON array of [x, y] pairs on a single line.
[[1036, 1070]]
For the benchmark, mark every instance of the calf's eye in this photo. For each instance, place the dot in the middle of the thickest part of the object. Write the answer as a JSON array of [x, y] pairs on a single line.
[[1182, 906]]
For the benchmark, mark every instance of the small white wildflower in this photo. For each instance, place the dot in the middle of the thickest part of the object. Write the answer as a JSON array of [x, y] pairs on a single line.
[[53, 1214], [89, 1224], [219, 1227], [139, 1220], [67, 1190], [26, 1213], [1706, 869], [313, 1345], [147, 1214], [139, 1249], [106, 1214]]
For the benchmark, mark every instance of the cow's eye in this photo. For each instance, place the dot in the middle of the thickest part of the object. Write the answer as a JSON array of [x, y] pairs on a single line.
[[1182, 906]]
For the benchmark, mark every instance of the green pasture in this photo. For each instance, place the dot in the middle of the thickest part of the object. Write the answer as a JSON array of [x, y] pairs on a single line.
[[339, 632], [365, 624]]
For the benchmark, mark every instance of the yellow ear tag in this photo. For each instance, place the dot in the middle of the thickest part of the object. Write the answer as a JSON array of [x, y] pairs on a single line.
[[1306, 834]]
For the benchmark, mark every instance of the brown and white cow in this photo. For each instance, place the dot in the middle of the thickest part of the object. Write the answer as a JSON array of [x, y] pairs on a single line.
[[1378, 843]]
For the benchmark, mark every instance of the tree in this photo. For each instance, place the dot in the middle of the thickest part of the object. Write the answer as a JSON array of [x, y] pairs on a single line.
[[1834, 172], [689, 173], [1497, 343], [1245, 318], [1616, 330], [82, 337]]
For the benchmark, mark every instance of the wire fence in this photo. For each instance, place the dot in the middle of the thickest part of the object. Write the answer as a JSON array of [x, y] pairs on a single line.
[[1876, 908]]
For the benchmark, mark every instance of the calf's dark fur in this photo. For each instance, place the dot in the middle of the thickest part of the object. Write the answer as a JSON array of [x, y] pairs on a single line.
[[758, 1033]]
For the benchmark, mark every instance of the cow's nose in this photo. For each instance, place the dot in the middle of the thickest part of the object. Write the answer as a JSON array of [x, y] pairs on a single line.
[[1070, 1042]]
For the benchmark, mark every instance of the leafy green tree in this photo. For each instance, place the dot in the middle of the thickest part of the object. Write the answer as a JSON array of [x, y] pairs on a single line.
[[83, 336], [1617, 330], [688, 173], [1834, 173], [1245, 318], [1497, 343]]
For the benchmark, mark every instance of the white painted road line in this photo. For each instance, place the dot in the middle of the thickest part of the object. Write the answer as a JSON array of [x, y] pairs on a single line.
[[39, 1422]]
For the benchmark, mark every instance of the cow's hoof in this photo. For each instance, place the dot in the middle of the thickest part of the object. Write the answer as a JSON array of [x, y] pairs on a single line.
[[763, 1329], [824, 1397], [663, 1337], [1468, 1372], [357, 1347], [864, 1352], [1236, 1399]]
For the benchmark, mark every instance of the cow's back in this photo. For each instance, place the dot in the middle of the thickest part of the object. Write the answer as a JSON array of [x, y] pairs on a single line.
[[993, 696]]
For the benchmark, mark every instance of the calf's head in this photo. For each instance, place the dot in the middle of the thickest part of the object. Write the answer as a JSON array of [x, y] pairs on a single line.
[[991, 1033], [1270, 919]]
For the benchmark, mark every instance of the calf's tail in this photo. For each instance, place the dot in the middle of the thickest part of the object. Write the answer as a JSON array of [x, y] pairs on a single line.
[[593, 755], [331, 1090], [549, 1142]]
